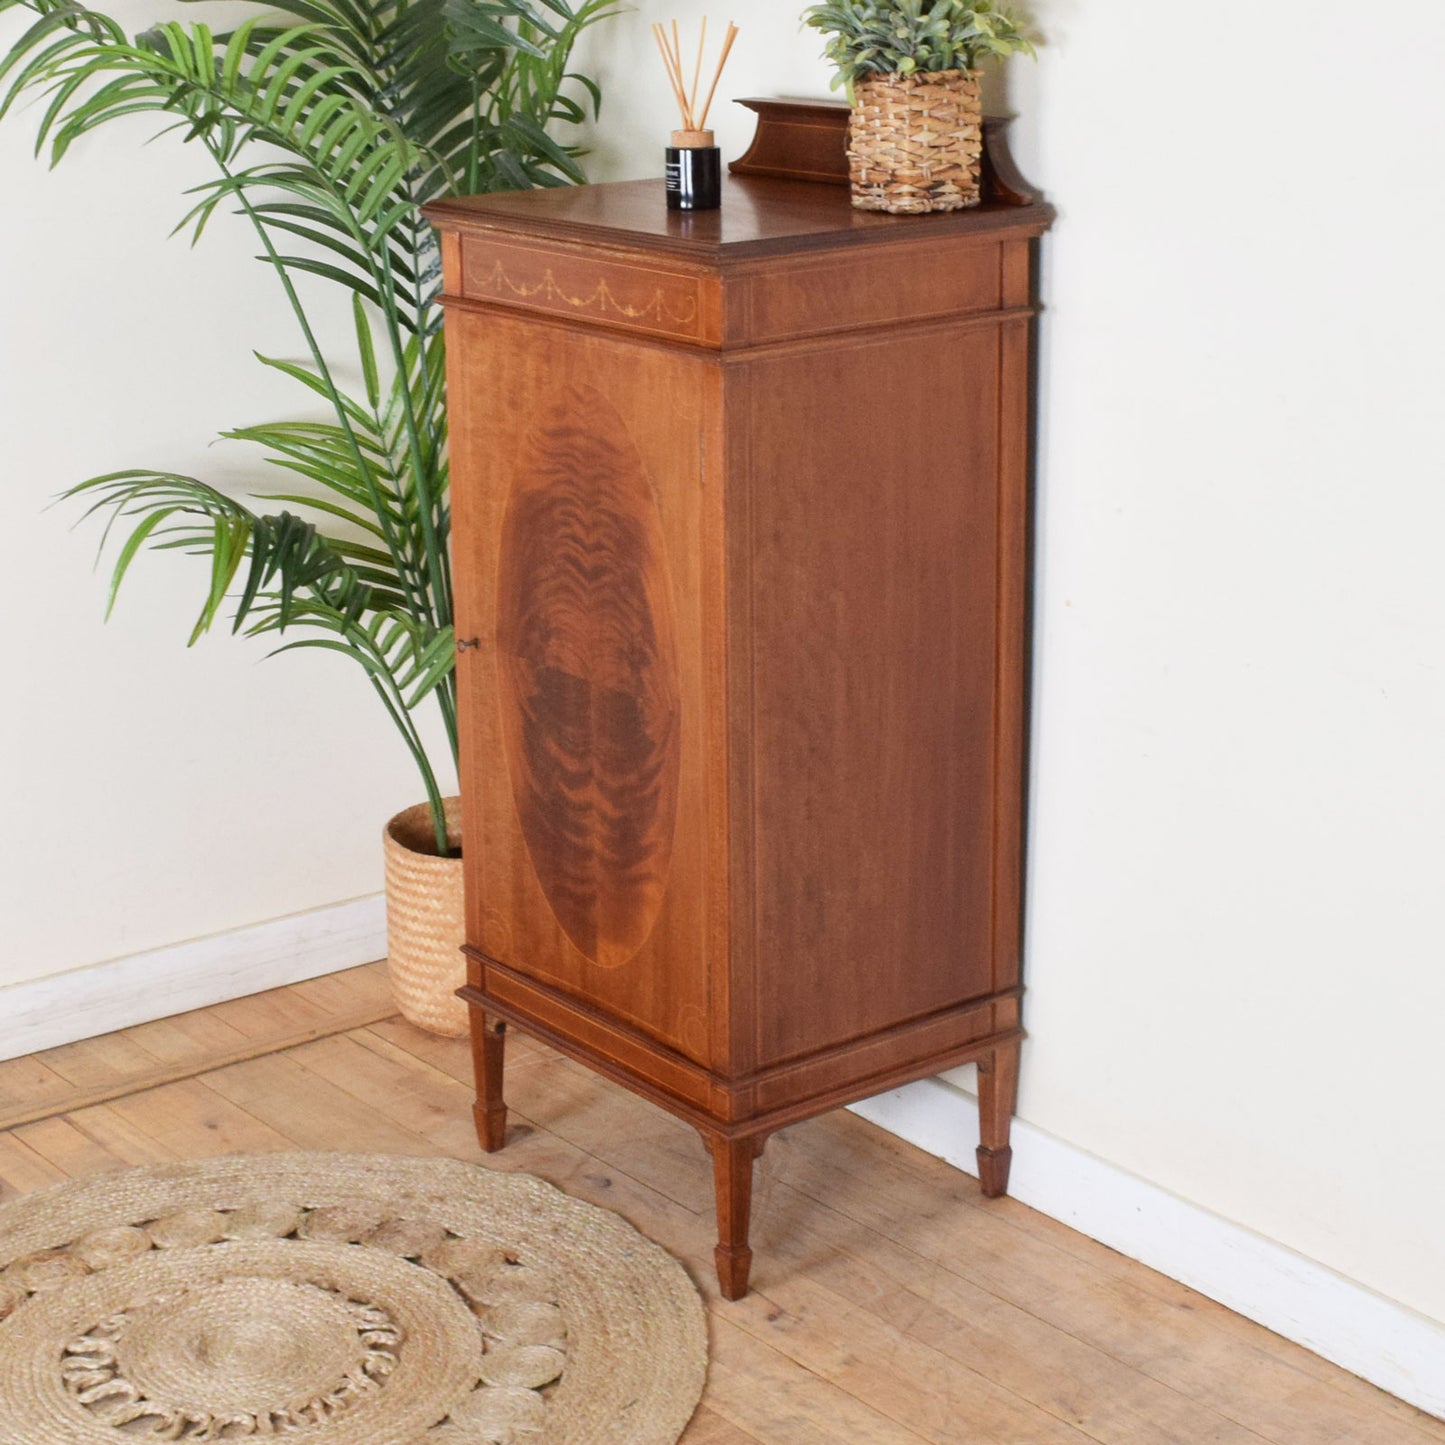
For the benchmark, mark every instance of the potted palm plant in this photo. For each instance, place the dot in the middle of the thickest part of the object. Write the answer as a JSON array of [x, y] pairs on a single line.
[[328, 128], [910, 69]]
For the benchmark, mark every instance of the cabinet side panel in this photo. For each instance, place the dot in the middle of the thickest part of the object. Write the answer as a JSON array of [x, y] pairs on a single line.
[[872, 483], [579, 547], [1013, 612]]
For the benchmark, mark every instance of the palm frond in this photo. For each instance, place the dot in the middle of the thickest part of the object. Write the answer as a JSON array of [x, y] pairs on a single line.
[[288, 557], [329, 126]]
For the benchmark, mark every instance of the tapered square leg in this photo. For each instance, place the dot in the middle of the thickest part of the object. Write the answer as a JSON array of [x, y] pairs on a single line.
[[732, 1168], [489, 1042], [998, 1088]]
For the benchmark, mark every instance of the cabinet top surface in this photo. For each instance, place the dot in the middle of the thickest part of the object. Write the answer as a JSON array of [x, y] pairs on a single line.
[[758, 217]]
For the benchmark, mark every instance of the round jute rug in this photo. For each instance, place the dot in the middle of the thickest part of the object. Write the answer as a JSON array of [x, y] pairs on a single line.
[[338, 1299]]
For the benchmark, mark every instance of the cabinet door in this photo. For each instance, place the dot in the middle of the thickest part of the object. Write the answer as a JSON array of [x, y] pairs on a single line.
[[593, 755]]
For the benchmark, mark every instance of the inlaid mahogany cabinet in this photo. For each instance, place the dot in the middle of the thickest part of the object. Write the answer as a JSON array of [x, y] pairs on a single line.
[[740, 533]]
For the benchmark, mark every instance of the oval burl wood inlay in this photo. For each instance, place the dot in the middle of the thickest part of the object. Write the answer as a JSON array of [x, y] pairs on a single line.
[[588, 677]]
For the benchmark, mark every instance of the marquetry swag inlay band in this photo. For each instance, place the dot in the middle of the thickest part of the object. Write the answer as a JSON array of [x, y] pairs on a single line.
[[562, 282], [601, 298]]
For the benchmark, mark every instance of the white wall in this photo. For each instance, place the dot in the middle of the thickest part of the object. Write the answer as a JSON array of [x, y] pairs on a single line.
[[147, 794], [1235, 919], [1236, 925]]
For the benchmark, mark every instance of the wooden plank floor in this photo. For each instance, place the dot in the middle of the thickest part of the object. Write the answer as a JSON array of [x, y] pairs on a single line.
[[891, 1303]]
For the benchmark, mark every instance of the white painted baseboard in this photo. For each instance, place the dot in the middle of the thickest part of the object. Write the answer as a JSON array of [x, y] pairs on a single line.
[[145, 986], [1378, 1339]]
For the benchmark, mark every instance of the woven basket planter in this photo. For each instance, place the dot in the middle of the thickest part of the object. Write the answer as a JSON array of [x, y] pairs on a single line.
[[915, 142], [426, 921]]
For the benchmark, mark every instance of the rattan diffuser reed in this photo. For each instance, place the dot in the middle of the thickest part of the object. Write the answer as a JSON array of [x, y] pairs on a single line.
[[693, 132]]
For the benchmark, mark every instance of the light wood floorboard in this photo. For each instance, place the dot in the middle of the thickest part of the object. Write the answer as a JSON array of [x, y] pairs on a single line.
[[891, 1303], [92, 1071]]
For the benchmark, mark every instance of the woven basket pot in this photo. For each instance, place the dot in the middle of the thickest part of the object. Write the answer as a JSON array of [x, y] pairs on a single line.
[[915, 142], [426, 920]]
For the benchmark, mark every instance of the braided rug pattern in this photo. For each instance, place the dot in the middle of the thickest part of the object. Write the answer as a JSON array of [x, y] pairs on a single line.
[[338, 1299]]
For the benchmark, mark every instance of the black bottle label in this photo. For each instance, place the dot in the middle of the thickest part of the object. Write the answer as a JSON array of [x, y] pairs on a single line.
[[694, 178]]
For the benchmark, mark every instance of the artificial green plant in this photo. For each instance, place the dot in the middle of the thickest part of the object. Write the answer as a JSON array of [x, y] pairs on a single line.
[[910, 37], [329, 125]]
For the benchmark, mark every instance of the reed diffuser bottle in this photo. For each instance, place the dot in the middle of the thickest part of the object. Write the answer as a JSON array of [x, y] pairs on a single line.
[[694, 172], [694, 162]]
